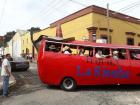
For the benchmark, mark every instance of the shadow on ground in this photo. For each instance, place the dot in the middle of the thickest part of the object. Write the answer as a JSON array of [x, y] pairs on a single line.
[[103, 88]]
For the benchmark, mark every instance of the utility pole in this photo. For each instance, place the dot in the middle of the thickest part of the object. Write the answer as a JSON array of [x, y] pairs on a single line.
[[12, 47], [3, 44], [108, 24]]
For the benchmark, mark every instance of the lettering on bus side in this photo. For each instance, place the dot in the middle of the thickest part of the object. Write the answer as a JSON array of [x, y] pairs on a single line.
[[105, 72], [99, 61]]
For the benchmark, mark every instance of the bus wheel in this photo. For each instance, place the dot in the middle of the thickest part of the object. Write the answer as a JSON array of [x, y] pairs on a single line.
[[68, 84]]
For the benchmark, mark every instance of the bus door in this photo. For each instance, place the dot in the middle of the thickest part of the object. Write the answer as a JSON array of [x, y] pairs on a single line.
[[103, 66], [121, 70], [135, 65]]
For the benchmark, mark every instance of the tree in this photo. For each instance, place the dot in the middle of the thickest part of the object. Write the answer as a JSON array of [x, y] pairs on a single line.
[[7, 37], [1, 41], [34, 29]]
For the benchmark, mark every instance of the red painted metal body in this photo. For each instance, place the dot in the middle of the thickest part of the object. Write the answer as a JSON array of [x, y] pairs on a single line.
[[54, 67]]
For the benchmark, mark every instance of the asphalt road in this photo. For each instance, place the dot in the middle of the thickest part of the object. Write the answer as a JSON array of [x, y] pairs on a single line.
[[30, 91]]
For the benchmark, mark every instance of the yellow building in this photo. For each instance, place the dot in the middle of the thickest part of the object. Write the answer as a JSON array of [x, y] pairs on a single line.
[[92, 23], [26, 43], [27, 46]]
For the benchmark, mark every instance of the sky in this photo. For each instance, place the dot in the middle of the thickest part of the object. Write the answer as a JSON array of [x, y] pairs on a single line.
[[24, 14]]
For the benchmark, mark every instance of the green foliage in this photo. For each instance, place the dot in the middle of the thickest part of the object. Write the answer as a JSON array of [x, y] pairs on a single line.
[[34, 29], [7, 37]]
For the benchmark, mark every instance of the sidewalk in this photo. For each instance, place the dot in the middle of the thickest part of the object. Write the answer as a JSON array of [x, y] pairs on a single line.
[[12, 82]]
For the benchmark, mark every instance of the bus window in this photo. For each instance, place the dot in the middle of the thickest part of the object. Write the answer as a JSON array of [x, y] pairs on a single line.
[[120, 53], [134, 54], [69, 49], [85, 51], [102, 52], [53, 47]]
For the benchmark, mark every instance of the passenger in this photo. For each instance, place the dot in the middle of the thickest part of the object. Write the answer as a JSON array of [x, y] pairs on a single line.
[[58, 49], [52, 47], [132, 55], [67, 50], [135, 56], [91, 53], [81, 52], [99, 54], [115, 55], [121, 55]]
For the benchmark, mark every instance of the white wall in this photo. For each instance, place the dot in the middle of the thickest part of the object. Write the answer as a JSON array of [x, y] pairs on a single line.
[[17, 48]]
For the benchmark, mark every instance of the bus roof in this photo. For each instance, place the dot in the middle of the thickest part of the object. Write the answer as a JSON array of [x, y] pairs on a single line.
[[72, 41], [88, 43]]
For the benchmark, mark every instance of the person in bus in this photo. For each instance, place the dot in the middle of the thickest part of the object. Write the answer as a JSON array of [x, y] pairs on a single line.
[[134, 55], [67, 50], [91, 53], [99, 54], [121, 55], [52, 47], [115, 55], [81, 52]]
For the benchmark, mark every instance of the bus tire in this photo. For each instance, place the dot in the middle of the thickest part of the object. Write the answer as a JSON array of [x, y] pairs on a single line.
[[68, 84]]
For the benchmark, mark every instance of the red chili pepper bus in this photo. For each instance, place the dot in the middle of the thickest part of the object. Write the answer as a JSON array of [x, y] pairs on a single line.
[[71, 69]]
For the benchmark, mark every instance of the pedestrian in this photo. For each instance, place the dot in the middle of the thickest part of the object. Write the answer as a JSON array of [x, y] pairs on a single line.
[[6, 73], [30, 57]]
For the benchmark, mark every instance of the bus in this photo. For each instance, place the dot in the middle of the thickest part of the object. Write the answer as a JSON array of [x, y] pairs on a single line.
[[69, 70]]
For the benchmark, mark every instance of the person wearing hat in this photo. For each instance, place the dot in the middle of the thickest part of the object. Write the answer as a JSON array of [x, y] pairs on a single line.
[[67, 50], [115, 55]]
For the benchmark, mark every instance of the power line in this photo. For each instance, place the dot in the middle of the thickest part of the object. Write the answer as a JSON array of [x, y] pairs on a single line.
[[49, 12], [76, 2], [116, 2], [43, 11], [105, 18], [134, 6], [86, 25], [130, 6]]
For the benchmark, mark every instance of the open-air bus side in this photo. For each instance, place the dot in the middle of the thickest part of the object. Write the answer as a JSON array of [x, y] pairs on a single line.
[[70, 70]]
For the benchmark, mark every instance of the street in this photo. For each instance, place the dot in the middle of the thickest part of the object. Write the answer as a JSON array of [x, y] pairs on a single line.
[[30, 91]]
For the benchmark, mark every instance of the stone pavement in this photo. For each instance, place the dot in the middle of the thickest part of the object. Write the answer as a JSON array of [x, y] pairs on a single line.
[[12, 82]]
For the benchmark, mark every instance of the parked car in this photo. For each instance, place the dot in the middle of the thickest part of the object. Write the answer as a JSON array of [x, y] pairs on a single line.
[[19, 64]]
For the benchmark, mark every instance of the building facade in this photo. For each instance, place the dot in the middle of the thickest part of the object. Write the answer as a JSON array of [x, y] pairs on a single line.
[[17, 43], [26, 43], [27, 46], [91, 24]]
